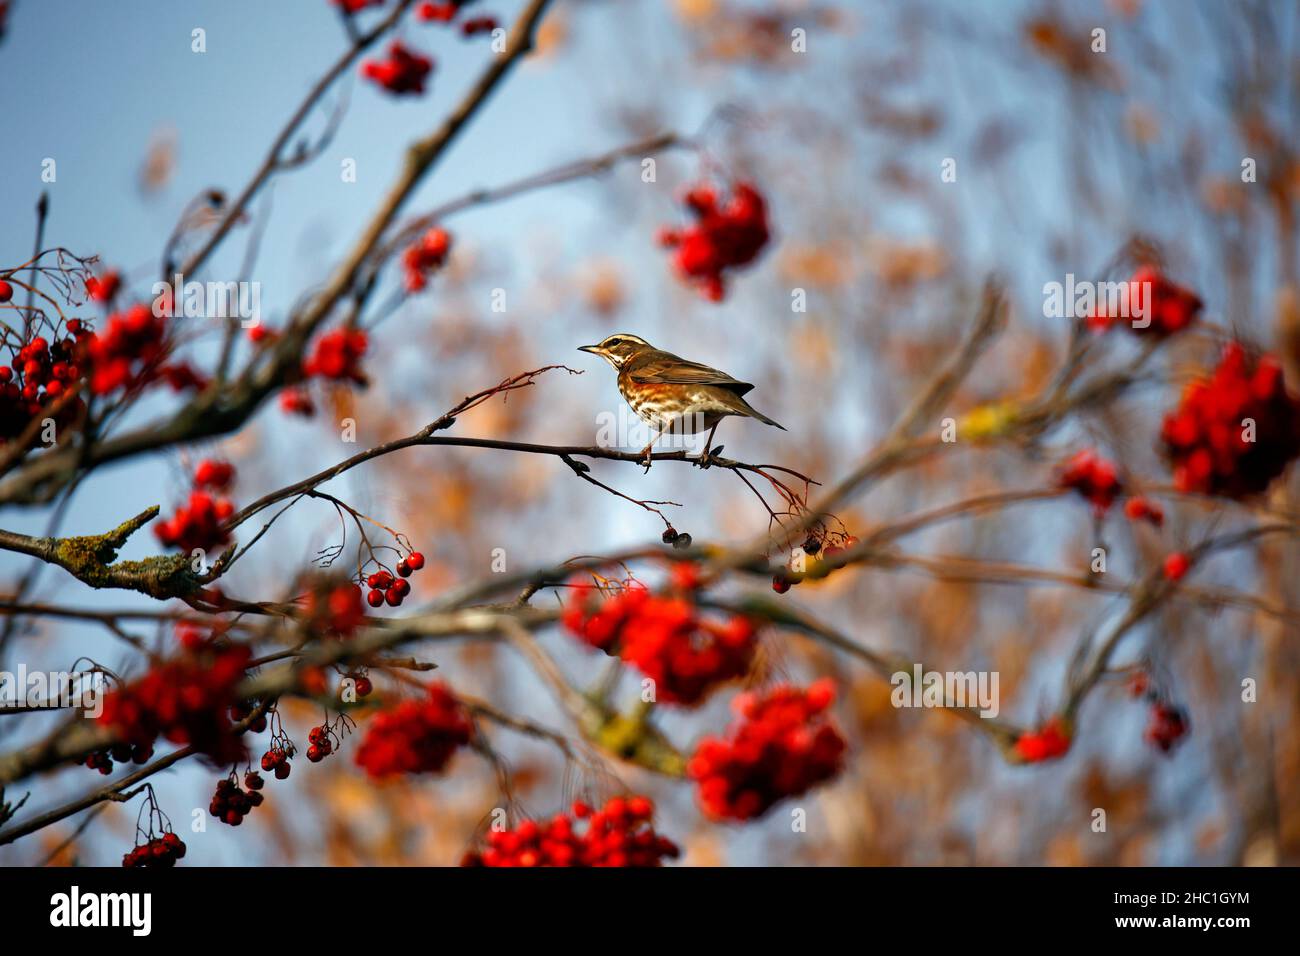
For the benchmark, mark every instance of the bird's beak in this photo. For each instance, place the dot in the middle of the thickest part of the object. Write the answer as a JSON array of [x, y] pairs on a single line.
[[593, 349]]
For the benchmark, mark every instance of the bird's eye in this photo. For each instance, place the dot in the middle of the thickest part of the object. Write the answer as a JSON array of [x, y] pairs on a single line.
[[613, 342]]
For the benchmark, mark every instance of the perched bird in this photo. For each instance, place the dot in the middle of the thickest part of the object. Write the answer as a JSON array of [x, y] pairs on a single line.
[[672, 394]]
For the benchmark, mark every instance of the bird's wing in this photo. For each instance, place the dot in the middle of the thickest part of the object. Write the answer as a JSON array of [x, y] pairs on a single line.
[[664, 368]]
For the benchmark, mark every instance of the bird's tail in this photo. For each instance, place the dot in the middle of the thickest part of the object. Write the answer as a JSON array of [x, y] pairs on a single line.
[[755, 413]]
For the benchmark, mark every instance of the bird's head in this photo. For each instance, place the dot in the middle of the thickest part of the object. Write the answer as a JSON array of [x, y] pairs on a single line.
[[618, 348]]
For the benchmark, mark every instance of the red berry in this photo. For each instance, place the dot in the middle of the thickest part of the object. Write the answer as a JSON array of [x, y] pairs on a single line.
[[780, 584], [375, 597], [415, 560], [403, 569], [282, 770], [393, 596], [1176, 566], [6, 291], [364, 686]]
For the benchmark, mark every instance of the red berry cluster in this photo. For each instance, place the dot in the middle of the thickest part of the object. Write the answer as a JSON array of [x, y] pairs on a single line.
[[336, 356], [129, 350], [160, 851], [182, 376], [1171, 308], [321, 740], [416, 736], [783, 580], [102, 760], [333, 608], [1139, 508], [1176, 566], [297, 401], [1167, 728], [476, 25], [197, 524], [1093, 477], [104, 288], [619, 834], [276, 761], [40, 372], [385, 588], [782, 746], [217, 475], [425, 256], [666, 639], [184, 700], [1209, 439], [444, 12], [1050, 741], [404, 72], [241, 711], [230, 803], [723, 237], [362, 684]]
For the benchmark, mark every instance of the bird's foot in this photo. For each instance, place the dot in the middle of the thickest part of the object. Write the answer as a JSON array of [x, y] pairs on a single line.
[[707, 456], [645, 456]]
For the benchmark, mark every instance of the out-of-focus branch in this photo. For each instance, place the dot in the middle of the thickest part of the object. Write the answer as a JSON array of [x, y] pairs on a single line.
[[275, 159]]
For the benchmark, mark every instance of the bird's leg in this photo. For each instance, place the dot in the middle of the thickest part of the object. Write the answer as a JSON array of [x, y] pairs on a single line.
[[645, 452], [708, 445]]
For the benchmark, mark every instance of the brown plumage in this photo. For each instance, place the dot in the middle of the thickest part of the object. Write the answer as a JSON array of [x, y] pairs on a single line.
[[672, 393]]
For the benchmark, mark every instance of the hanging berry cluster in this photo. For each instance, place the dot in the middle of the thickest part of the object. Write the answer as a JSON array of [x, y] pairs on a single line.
[[620, 834], [198, 524], [815, 560], [104, 288], [333, 608], [242, 710], [356, 6], [1170, 308], [160, 851], [447, 11], [185, 700], [1139, 508], [326, 738], [665, 638], [723, 237], [416, 736], [128, 352], [280, 749], [782, 745], [385, 588], [1050, 741], [1168, 723], [337, 355], [297, 401], [39, 372], [402, 73], [1234, 432], [277, 761], [231, 803], [424, 257], [1093, 477], [102, 760]]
